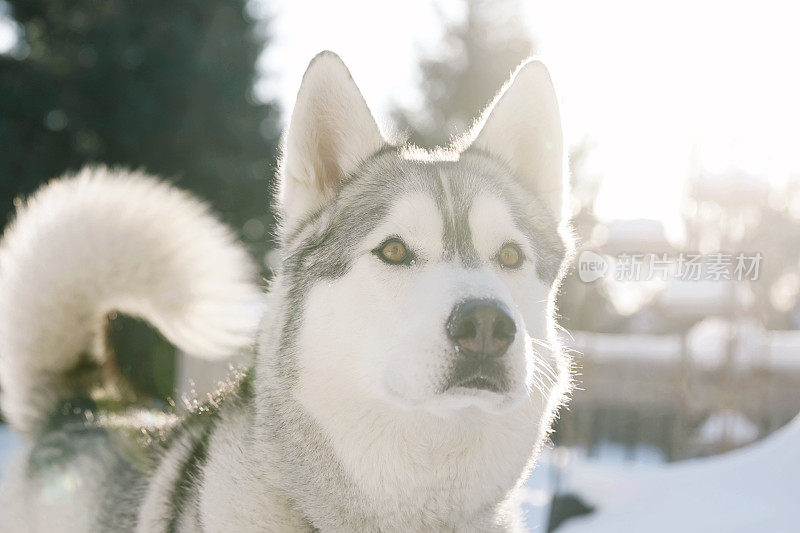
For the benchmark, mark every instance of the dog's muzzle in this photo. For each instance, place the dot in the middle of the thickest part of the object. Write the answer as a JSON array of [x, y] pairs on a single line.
[[481, 331]]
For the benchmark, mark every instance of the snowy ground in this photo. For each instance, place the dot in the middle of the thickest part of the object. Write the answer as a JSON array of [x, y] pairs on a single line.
[[9, 442], [753, 489], [536, 494]]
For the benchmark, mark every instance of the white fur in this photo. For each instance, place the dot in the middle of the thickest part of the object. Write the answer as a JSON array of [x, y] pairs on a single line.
[[331, 131], [419, 458], [374, 392], [238, 497], [105, 241], [523, 127], [404, 355]]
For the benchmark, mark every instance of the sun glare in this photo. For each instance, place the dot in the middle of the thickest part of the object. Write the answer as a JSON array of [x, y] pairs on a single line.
[[659, 94], [694, 86]]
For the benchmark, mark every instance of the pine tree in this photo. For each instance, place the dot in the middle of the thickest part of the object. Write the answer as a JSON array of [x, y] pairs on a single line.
[[480, 52], [160, 86]]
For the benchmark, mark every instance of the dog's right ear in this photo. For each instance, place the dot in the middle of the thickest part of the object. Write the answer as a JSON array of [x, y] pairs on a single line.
[[523, 127], [330, 133]]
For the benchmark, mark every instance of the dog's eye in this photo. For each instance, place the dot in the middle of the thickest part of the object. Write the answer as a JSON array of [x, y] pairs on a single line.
[[394, 252], [510, 256]]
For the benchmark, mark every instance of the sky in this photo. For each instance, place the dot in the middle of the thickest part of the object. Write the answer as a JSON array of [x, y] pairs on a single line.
[[658, 89]]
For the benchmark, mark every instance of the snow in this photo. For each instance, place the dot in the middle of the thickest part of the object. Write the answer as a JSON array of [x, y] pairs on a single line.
[[9, 443], [534, 497], [727, 426], [701, 298], [625, 235], [707, 342], [783, 351], [752, 489], [612, 347]]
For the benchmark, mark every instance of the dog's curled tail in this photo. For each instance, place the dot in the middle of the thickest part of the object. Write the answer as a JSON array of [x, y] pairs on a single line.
[[104, 241]]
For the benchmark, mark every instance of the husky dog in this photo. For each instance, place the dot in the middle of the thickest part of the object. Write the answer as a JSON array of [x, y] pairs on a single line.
[[407, 369]]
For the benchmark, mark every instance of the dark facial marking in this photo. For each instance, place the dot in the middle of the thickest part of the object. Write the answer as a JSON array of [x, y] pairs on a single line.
[[454, 204], [325, 252], [529, 214]]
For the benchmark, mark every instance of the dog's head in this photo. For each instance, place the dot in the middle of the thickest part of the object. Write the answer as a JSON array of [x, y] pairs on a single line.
[[422, 280]]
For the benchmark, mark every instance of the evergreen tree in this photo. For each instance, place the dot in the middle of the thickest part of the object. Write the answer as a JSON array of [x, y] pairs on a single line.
[[480, 52], [160, 86]]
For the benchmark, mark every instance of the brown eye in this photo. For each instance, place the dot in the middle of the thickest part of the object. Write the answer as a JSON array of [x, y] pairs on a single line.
[[510, 256], [394, 252]]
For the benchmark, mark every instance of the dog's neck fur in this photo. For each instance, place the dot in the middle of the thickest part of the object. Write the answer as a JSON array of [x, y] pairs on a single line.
[[419, 471]]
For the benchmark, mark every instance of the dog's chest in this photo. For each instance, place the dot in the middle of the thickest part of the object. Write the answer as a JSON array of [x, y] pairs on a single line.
[[424, 486]]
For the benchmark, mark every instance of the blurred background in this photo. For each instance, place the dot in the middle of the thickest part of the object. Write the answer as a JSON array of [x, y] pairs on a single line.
[[682, 122]]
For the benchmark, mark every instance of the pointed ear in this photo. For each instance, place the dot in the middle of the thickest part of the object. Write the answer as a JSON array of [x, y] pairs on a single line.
[[331, 131], [523, 127]]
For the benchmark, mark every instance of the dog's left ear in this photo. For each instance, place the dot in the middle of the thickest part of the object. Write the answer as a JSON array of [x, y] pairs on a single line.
[[330, 133], [523, 127]]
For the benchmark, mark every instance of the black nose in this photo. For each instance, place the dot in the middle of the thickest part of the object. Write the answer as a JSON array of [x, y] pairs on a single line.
[[481, 328]]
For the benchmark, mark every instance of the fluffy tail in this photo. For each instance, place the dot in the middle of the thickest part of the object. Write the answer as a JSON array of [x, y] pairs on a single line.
[[104, 241]]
